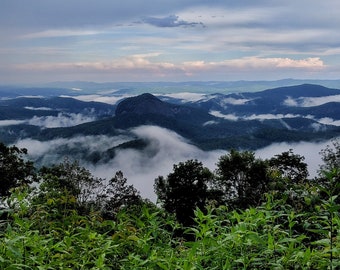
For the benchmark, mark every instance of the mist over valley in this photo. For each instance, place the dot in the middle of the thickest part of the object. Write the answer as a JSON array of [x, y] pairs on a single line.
[[144, 133]]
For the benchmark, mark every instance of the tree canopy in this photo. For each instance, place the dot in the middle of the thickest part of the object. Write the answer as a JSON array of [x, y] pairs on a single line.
[[14, 169], [184, 190], [73, 220], [242, 178]]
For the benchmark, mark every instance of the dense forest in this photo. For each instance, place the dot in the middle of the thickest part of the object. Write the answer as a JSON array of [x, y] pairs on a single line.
[[247, 214]]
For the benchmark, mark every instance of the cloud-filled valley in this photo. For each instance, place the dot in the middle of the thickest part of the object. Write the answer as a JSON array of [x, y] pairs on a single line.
[[113, 127], [164, 149]]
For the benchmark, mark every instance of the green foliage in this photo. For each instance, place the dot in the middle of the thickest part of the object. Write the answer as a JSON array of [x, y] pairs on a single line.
[[266, 237], [184, 189], [68, 186], [242, 178], [14, 169], [64, 224], [330, 171], [118, 195], [290, 165], [331, 156]]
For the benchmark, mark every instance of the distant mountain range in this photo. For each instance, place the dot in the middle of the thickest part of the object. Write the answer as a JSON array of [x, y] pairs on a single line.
[[208, 87], [244, 120]]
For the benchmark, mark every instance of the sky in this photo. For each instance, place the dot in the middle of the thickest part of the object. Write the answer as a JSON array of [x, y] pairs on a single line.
[[163, 40]]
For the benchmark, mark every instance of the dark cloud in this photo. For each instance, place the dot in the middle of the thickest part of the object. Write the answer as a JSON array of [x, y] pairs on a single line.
[[56, 14], [170, 21]]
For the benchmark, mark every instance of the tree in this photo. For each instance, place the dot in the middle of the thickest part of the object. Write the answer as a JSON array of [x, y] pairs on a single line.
[[184, 190], [241, 178], [331, 156], [290, 166], [119, 195], [329, 180], [14, 169], [78, 189]]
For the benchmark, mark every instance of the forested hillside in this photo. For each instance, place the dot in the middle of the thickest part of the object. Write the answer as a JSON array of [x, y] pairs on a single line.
[[245, 120], [247, 214]]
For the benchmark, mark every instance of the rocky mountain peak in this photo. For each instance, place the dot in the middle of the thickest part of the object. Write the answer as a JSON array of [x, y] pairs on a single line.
[[144, 104]]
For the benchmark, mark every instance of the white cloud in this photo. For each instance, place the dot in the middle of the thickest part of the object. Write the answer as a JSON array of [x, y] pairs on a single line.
[[165, 149], [257, 62], [329, 121], [310, 101], [239, 41], [62, 120], [48, 150], [234, 101], [101, 98], [232, 117], [254, 116], [268, 116], [143, 64], [141, 168], [291, 102], [11, 122], [310, 150], [61, 33], [317, 101], [38, 108], [208, 123], [186, 96]]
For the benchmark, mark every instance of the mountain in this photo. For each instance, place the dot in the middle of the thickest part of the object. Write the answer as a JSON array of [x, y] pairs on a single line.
[[247, 120], [26, 107], [304, 100]]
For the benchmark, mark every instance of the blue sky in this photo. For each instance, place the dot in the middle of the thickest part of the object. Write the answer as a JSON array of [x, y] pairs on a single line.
[[163, 40]]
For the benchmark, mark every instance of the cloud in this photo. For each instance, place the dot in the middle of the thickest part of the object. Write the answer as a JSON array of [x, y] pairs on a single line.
[[61, 33], [329, 121], [101, 98], [234, 101], [310, 101], [170, 21], [232, 117], [38, 108], [186, 96], [48, 152], [165, 148], [153, 66], [277, 62], [62, 120], [317, 101], [208, 123], [248, 40], [268, 116], [291, 102], [255, 116], [11, 122], [310, 150]]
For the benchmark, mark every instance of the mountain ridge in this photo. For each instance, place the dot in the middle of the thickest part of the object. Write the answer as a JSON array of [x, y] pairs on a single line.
[[243, 121]]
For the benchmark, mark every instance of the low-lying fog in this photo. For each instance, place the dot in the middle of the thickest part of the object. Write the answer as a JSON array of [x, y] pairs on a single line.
[[165, 149]]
